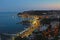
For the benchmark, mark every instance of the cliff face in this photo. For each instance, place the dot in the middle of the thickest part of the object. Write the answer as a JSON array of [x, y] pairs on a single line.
[[42, 12]]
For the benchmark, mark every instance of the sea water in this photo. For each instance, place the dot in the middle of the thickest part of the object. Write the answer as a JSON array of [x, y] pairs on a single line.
[[8, 23]]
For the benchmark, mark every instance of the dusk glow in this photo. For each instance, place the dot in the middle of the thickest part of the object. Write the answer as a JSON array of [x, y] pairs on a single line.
[[21, 5]]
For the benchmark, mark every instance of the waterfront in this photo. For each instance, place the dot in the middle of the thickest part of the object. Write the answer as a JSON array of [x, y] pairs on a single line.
[[11, 27], [52, 21]]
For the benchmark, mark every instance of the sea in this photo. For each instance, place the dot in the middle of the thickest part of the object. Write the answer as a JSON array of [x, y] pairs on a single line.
[[8, 23]]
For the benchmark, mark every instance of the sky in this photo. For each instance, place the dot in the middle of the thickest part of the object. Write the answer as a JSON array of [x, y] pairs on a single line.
[[23, 5]]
